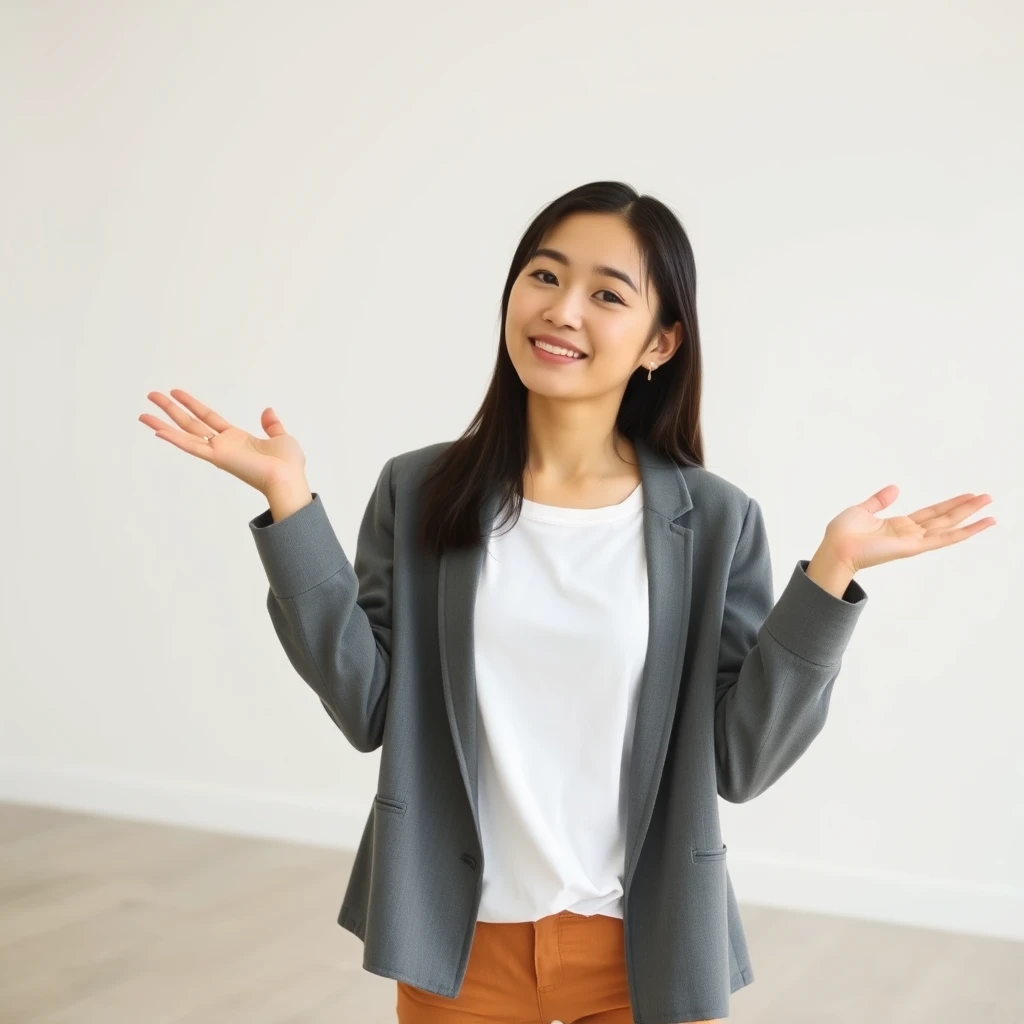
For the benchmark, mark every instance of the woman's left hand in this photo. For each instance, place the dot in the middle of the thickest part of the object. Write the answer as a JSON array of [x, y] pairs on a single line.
[[858, 538]]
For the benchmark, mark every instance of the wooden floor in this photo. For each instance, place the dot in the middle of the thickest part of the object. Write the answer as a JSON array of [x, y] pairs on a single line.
[[105, 921]]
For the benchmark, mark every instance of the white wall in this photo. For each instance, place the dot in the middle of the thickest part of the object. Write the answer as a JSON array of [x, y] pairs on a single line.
[[310, 208]]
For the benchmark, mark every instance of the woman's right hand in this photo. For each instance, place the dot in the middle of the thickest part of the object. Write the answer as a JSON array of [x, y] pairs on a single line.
[[263, 463]]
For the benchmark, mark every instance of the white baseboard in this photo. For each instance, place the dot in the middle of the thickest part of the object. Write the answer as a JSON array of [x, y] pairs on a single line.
[[990, 910], [973, 908], [234, 812]]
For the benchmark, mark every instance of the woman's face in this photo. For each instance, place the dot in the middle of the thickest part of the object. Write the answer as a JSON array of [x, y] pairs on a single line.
[[573, 299]]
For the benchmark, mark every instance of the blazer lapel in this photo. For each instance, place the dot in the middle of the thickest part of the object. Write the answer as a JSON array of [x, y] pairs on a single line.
[[669, 553]]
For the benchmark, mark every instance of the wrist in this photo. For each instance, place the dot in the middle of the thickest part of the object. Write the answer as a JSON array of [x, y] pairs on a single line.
[[829, 571], [285, 497]]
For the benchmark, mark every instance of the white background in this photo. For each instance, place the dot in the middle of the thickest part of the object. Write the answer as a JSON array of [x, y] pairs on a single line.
[[315, 208]]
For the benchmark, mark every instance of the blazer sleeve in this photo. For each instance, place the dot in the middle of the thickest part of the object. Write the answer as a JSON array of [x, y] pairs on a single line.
[[333, 617], [777, 664]]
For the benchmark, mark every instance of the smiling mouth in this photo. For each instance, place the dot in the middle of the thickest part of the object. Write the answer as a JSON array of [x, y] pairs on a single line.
[[575, 354]]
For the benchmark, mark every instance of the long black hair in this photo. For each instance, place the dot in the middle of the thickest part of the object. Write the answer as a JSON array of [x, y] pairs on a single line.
[[664, 412]]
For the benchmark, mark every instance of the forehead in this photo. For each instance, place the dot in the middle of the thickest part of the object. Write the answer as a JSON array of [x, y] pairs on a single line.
[[596, 237]]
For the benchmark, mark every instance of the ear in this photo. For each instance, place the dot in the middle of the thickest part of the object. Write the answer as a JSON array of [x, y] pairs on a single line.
[[669, 341]]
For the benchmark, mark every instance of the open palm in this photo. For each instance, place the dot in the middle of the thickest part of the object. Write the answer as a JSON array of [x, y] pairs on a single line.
[[260, 462], [861, 539]]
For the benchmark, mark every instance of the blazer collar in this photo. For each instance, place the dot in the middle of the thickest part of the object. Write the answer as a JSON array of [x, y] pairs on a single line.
[[669, 555]]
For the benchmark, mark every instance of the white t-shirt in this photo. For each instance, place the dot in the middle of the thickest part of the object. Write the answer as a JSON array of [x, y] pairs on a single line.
[[560, 638]]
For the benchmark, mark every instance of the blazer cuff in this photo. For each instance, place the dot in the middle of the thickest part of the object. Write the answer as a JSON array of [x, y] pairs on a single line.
[[299, 552], [811, 622]]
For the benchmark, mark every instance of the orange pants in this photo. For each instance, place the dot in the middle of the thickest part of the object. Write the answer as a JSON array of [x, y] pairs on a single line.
[[563, 968]]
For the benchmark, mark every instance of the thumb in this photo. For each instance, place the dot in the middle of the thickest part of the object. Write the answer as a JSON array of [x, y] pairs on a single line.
[[881, 499], [271, 424]]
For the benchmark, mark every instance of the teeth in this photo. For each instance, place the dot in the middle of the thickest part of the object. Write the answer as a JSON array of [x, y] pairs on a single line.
[[557, 351]]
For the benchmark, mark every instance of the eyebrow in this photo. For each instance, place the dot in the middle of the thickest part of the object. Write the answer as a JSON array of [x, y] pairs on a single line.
[[599, 268]]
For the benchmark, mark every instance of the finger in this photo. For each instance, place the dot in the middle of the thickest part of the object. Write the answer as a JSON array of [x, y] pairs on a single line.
[[202, 412], [881, 499], [271, 424], [943, 538], [187, 443], [155, 422], [934, 511], [186, 422], [955, 510]]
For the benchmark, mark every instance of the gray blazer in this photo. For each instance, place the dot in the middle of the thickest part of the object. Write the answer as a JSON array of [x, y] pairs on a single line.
[[734, 689]]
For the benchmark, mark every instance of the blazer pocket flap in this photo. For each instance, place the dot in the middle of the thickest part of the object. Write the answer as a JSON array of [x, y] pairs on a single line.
[[697, 854], [387, 803]]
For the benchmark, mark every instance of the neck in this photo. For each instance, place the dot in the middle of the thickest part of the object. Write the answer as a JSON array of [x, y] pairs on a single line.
[[574, 448]]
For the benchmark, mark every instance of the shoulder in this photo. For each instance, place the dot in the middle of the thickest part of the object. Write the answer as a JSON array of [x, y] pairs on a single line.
[[716, 494], [725, 515], [404, 469], [416, 459]]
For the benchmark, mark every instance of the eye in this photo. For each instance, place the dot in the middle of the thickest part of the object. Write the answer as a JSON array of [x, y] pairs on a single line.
[[603, 290]]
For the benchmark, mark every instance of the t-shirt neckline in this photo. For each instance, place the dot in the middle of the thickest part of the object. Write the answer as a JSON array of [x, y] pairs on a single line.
[[540, 512]]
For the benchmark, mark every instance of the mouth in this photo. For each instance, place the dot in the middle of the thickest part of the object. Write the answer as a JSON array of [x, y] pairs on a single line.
[[544, 349]]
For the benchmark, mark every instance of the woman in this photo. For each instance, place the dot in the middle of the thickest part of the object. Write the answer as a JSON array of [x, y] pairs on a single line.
[[560, 704]]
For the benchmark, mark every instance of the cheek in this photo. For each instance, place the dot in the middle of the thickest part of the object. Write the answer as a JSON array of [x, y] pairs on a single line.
[[518, 314], [518, 297], [616, 348]]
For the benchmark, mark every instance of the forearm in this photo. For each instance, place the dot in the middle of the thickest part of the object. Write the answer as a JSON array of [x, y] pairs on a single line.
[[332, 617]]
